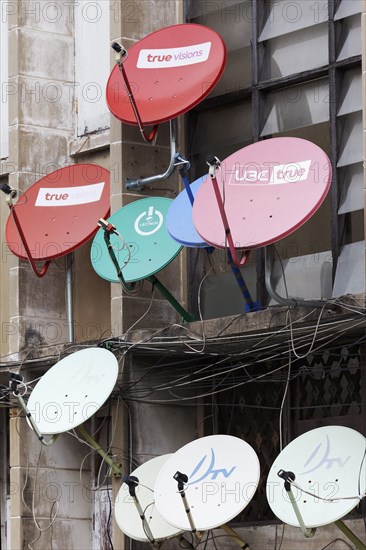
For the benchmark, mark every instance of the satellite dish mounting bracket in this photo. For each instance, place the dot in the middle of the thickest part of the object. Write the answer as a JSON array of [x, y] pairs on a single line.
[[235, 263], [181, 480], [288, 478], [175, 159], [121, 56], [15, 380], [132, 482], [214, 164], [116, 468], [12, 194], [108, 230], [184, 166]]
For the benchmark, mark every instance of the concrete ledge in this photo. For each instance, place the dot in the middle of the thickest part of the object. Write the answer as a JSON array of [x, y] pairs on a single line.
[[89, 143]]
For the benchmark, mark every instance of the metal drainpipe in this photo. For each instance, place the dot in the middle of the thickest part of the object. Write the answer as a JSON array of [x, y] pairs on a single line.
[[69, 300]]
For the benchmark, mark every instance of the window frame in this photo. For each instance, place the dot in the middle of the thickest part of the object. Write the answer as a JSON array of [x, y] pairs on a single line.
[[341, 225]]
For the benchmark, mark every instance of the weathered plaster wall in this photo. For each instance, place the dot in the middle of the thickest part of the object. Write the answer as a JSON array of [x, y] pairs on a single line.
[[41, 133], [40, 125], [92, 294], [42, 110], [36, 481], [136, 159], [42, 138], [7, 260]]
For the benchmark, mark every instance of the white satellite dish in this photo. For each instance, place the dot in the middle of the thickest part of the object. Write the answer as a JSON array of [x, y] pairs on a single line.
[[69, 394], [330, 464], [223, 475], [73, 390], [153, 527]]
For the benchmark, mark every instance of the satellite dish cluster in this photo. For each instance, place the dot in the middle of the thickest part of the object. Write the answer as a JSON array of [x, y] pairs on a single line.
[[251, 199], [316, 480]]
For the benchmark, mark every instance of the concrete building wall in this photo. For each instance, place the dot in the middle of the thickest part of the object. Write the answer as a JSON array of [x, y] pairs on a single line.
[[41, 59], [40, 63], [43, 137], [136, 159]]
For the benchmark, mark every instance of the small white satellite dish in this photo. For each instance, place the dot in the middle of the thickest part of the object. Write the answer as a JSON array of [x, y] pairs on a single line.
[[73, 390], [330, 464], [126, 513], [223, 475]]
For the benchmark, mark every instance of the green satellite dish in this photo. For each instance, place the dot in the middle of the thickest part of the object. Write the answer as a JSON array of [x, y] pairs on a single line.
[[141, 245]]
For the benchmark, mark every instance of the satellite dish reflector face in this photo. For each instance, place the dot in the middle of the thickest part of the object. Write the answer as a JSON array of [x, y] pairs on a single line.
[[148, 245], [126, 513], [269, 189], [170, 71], [223, 474], [60, 212], [73, 390], [179, 218], [329, 462]]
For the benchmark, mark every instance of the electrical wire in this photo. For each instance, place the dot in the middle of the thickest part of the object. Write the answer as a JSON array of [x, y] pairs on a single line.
[[223, 372], [227, 360], [282, 536], [327, 338], [283, 400], [109, 443], [309, 350], [25, 449], [55, 503], [144, 314], [135, 287], [177, 341], [201, 317], [144, 521], [337, 540], [336, 499]]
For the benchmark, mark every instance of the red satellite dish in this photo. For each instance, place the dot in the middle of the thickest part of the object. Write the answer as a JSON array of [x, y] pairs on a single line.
[[169, 71], [267, 190], [59, 212]]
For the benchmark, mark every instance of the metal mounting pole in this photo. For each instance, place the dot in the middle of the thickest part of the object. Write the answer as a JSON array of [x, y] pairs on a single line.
[[214, 163], [234, 261], [289, 477], [234, 535], [140, 182], [121, 56], [132, 482], [181, 480], [11, 195], [117, 471], [350, 534], [108, 229], [15, 379], [189, 317]]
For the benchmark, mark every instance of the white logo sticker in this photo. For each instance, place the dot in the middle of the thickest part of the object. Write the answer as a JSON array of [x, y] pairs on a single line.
[[291, 172], [270, 173], [149, 222], [68, 196], [173, 57]]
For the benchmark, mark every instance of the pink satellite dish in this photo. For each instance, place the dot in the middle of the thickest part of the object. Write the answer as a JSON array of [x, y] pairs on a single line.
[[266, 191]]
